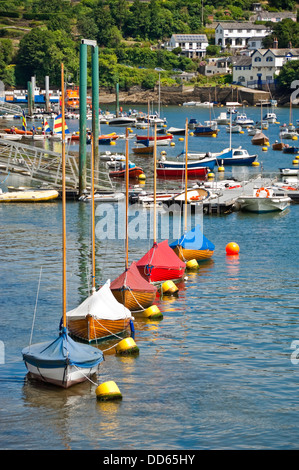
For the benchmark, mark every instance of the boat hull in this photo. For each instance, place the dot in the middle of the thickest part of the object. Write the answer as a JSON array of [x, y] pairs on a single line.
[[260, 205], [29, 196], [205, 131], [134, 300], [133, 173], [236, 161], [187, 255], [94, 329], [180, 172], [64, 377], [144, 150], [158, 275]]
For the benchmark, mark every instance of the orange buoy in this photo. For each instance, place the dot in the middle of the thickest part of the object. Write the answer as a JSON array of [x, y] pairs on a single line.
[[232, 248]]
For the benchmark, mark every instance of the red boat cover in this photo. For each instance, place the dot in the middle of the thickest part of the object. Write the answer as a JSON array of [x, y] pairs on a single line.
[[161, 256], [132, 279]]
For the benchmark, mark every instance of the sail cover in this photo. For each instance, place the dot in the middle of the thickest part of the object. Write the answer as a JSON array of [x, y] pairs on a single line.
[[101, 305], [132, 279], [160, 255], [61, 352], [193, 240]]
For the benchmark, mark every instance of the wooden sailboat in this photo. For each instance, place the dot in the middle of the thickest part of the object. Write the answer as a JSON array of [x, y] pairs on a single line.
[[62, 361], [160, 263], [100, 315], [193, 244], [130, 288]]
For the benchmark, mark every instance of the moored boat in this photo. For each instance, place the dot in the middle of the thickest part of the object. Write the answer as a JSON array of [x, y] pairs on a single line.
[[29, 196], [260, 139], [263, 200], [62, 361], [193, 172]]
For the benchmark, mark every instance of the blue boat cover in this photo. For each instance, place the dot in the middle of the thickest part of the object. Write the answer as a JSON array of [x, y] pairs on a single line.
[[193, 240], [60, 352]]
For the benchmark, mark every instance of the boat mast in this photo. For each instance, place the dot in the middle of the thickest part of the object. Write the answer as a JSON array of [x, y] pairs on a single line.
[[155, 179], [186, 175], [63, 205], [127, 198], [93, 284]]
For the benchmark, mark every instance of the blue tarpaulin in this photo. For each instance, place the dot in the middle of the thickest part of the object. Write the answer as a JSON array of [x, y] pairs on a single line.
[[193, 240], [60, 352]]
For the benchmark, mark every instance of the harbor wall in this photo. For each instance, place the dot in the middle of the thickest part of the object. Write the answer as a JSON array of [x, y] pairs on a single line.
[[178, 95]]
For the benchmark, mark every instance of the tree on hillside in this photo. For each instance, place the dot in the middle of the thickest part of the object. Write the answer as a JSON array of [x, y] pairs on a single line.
[[41, 53], [286, 31], [288, 75]]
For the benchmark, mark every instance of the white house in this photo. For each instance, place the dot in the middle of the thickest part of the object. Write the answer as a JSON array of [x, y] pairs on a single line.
[[192, 45], [215, 65], [274, 16], [261, 67], [236, 35]]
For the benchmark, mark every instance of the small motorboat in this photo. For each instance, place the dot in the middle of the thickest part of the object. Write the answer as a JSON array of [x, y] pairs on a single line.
[[263, 200], [234, 129], [243, 120], [194, 172], [289, 149], [289, 171], [103, 196], [30, 195], [11, 136], [134, 172], [176, 130], [278, 145]]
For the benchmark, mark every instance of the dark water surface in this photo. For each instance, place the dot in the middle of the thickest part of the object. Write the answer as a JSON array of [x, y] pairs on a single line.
[[215, 373]]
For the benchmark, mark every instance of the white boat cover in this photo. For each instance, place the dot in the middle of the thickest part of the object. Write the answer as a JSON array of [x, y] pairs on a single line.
[[101, 305]]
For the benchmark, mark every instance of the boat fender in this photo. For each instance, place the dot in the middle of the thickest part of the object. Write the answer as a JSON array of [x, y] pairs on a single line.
[[132, 328]]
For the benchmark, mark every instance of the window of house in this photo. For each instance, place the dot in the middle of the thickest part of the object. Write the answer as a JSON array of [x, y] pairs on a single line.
[[257, 59], [269, 59]]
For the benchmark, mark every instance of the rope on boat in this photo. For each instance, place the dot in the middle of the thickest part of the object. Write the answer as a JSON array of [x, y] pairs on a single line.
[[86, 376]]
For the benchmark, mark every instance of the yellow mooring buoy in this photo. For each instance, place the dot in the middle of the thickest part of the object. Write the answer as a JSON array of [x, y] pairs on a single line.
[[142, 176], [153, 312], [108, 391], [169, 288], [192, 264], [127, 346]]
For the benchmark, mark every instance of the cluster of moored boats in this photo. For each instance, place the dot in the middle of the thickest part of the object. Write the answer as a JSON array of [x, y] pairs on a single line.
[[109, 310]]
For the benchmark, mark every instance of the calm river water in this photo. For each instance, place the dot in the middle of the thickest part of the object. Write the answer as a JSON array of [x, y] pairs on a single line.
[[219, 371]]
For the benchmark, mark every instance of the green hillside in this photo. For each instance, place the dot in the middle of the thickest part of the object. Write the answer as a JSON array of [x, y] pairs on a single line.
[[37, 35]]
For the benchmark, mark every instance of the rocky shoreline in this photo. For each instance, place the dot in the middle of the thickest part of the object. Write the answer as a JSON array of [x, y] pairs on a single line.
[[179, 95]]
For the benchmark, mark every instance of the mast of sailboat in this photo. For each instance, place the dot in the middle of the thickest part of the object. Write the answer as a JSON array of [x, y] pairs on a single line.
[[63, 205], [155, 180], [230, 130], [186, 175], [93, 273], [127, 198], [159, 97]]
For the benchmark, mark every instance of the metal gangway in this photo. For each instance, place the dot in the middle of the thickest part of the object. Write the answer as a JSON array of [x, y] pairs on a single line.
[[10, 108], [45, 166]]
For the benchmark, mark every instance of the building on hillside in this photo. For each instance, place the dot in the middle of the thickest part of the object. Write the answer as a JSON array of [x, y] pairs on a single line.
[[192, 45], [235, 36], [274, 16], [215, 65], [260, 68]]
